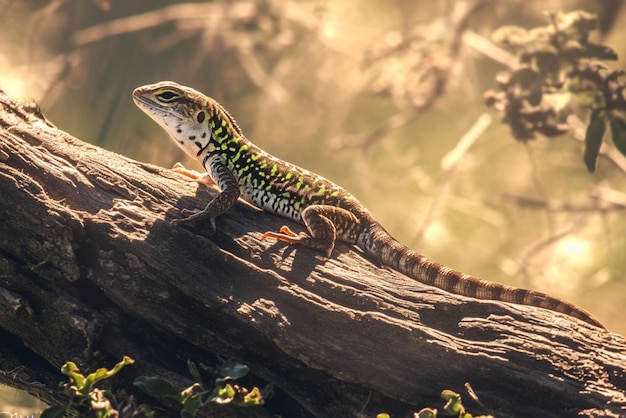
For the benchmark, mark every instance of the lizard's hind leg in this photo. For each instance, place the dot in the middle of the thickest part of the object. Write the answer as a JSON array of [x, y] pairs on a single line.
[[321, 222]]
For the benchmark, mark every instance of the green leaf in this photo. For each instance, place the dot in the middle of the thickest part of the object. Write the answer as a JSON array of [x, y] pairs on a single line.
[[526, 77], [601, 52], [593, 139], [268, 391], [157, 387], [191, 406], [193, 370], [253, 398], [103, 373], [534, 97], [589, 50], [426, 413], [189, 392], [57, 411], [618, 132], [574, 49], [234, 369], [70, 369], [92, 378], [222, 395], [453, 404], [547, 63]]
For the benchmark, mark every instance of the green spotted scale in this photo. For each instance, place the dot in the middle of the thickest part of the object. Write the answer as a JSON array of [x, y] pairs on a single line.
[[240, 169]]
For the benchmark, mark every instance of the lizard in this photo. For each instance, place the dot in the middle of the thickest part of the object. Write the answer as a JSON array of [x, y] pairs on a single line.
[[241, 170]]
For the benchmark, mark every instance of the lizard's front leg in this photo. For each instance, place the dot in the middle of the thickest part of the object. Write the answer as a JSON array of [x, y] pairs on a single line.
[[221, 203], [204, 178], [325, 224]]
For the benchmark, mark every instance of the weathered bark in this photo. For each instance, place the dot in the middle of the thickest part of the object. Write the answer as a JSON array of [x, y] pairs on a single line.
[[91, 271]]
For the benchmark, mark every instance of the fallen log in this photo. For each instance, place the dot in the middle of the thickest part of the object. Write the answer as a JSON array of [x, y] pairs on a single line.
[[91, 271]]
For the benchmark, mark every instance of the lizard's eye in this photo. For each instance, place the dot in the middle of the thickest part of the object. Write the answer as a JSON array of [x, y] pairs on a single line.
[[166, 96]]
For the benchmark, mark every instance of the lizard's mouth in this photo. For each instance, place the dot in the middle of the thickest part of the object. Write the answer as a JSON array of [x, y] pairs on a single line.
[[156, 111], [141, 101]]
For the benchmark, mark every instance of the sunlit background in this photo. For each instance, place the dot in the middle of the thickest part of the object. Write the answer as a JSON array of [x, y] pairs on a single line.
[[322, 84]]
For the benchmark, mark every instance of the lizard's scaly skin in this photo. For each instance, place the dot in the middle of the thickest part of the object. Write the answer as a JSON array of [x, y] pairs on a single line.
[[206, 131]]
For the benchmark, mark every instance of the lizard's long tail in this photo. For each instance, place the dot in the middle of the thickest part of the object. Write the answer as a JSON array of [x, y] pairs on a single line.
[[381, 246]]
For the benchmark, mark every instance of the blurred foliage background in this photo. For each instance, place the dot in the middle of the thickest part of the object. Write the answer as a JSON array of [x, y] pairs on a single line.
[[383, 97]]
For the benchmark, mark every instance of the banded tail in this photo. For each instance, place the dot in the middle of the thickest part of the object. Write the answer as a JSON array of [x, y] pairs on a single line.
[[382, 247]]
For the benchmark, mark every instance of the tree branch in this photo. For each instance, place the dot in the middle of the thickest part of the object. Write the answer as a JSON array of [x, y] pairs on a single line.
[[91, 271]]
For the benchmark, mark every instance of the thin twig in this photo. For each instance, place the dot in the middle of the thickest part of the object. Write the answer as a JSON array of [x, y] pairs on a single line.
[[596, 205], [451, 160], [483, 45], [190, 16], [178, 12]]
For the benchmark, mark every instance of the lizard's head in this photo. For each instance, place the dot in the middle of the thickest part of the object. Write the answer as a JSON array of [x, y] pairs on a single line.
[[187, 115]]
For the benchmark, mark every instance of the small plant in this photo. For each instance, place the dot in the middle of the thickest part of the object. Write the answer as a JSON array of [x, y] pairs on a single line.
[[196, 396], [452, 408], [85, 399], [559, 71]]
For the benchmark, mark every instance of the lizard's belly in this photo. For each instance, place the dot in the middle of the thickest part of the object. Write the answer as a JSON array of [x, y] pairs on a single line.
[[281, 203]]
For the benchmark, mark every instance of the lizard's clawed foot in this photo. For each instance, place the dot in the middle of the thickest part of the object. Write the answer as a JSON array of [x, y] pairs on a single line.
[[176, 222], [193, 174], [192, 216], [181, 169], [290, 237], [187, 213], [285, 235]]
